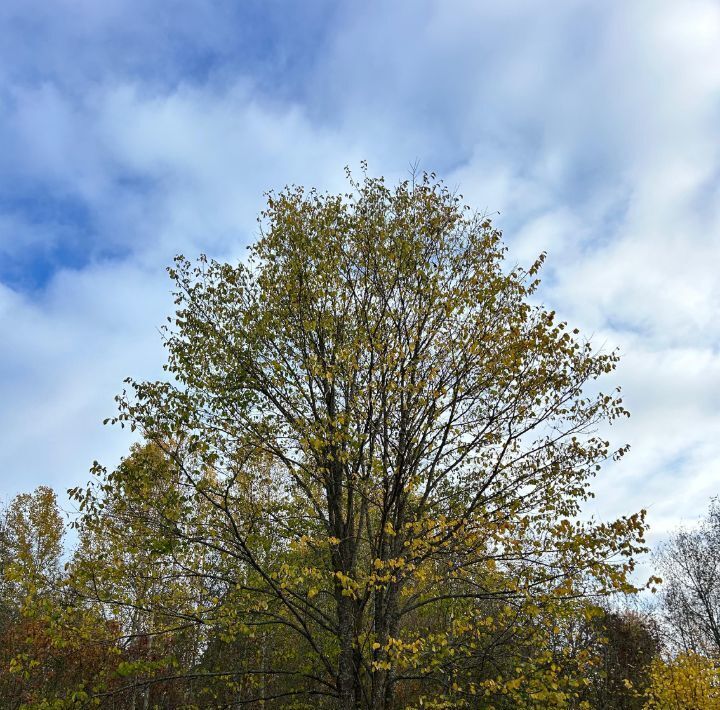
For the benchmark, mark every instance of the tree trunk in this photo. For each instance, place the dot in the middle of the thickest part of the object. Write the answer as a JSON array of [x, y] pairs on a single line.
[[348, 679], [386, 626]]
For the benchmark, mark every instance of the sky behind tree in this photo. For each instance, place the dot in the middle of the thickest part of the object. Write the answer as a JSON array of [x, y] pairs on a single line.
[[132, 131]]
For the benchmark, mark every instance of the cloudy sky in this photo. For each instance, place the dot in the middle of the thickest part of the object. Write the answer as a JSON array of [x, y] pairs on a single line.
[[132, 130]]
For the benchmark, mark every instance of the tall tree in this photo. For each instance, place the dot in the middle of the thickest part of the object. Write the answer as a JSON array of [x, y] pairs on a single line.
[[392, 443], [49, 652], [129, 575], [32, 532], [624, 645], [690, 602]]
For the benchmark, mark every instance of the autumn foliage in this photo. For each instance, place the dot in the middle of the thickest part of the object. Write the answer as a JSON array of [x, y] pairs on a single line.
[[360, 486]]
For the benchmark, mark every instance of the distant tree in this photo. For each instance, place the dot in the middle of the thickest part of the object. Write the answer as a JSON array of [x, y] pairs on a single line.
[[624, 644], [381, 448], [124, 571], [32, 535], [6, 601], [690, 599], [48, 655]]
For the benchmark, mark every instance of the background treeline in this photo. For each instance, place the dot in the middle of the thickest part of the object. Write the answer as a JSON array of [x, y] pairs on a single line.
[[111, 628], [360, 486]]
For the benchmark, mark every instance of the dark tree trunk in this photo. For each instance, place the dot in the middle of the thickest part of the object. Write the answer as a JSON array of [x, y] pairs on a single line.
[[386, 626], [348, 680]]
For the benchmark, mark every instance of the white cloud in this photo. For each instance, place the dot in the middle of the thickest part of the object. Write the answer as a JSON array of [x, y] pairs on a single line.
[[63, 358]]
